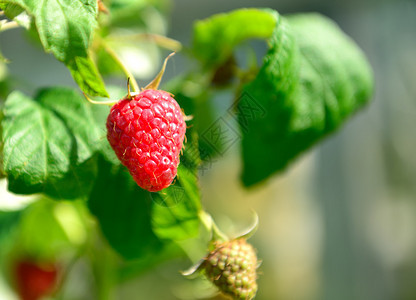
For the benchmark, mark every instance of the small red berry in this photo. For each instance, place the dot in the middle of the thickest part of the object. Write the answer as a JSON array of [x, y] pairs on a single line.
[[35, 281], [147, 134]]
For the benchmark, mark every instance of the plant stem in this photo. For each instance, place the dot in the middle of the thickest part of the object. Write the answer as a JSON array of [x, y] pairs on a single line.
[[160, 40], [209, 224], [125, 70]]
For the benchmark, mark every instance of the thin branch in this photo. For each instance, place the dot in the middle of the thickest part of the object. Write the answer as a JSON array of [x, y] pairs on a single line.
[[160, 40], [126, 71]]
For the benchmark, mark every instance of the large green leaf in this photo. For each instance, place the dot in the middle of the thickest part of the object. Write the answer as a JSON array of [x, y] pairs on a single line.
[[313, 77], [123, 211], [175, 213], [215, 38], [49, 143], [65, 27]]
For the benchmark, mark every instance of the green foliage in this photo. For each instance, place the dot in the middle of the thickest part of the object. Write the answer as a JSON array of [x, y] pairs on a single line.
[[123, 211], [327, 79], [312, 78], [135, 13], [138, 223], [86, 75], [49, 146], [65, 28], [215, 38], [11, 10], [49, 143], [175, 212]]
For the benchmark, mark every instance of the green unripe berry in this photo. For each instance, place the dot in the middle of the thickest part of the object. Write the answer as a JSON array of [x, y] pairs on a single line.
[[231, 266]]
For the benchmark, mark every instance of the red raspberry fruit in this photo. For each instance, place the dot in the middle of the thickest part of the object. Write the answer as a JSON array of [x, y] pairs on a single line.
[[34, 281], [147, 133]]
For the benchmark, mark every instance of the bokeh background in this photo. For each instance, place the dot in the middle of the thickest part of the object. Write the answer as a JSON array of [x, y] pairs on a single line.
[[340, 223]]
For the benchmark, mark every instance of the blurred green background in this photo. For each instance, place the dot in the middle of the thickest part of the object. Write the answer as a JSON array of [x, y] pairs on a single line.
[[341, 222]]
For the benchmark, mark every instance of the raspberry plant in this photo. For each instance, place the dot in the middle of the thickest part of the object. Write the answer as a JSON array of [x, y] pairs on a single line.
[[53, 143]]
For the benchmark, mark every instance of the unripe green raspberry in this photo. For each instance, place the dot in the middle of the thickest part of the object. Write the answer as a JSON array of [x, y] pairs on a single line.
[[231, 266]]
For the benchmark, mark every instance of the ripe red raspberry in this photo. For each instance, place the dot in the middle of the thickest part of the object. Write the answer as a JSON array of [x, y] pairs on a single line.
[[34, 281], [147, 133]]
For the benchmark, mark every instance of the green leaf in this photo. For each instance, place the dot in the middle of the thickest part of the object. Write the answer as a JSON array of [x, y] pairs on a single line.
[[49, 143], [123, 211], [65, 27], [11, 10], [215, 38], [193, 95], [86, 75], [175, 213], [138, 14], [313, 77], [176, 209]]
